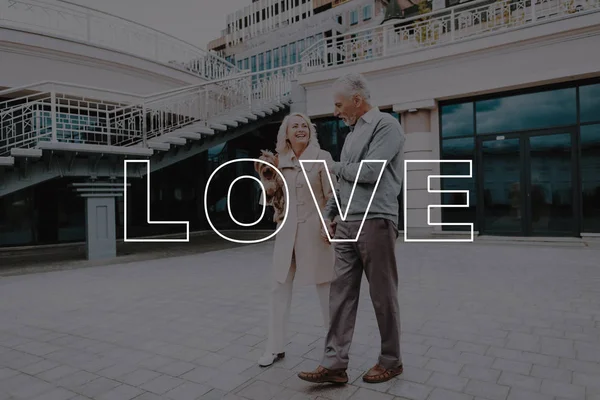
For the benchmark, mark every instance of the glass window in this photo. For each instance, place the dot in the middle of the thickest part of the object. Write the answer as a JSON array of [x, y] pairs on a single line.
[[327, 134], [253, 63], [319, 37], [589, 103], [284, 55], [275, 58], [16, 218], [71, 216], [300, 47], [246, 66], [332, 133], [458, 149], [590, 177], [457, 120], [293, 53], [240, 65], [367, 12], [261, 62], [527, 111], [268, 59], [353, 17]]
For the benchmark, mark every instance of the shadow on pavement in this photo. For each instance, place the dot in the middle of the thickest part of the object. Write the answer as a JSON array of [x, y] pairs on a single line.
[[19, 261]]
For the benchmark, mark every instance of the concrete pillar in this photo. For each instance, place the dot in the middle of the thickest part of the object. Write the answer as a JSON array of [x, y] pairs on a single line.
[[101, 238], [420, 145], [100, 217], [298, 98]]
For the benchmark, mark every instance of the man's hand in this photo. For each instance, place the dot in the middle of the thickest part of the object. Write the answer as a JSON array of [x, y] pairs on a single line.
[[330, 165], [330, 225]]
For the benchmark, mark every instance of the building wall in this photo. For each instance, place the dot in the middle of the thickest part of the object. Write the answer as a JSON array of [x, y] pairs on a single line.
[[552, 120], [289, 42], [263, 16], [416, 82], [32, 58], [523, 57]]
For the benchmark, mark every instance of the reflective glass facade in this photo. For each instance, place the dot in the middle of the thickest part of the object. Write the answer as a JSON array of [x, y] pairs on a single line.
[[47, 213], [536, 161]]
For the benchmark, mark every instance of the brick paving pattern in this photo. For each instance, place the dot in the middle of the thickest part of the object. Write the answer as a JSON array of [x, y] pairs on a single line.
[[479, 321]]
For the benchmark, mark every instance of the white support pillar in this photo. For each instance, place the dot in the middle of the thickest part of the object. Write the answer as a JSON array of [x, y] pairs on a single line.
[[419, 145], [101, 238], [100, 217], [298, 98]]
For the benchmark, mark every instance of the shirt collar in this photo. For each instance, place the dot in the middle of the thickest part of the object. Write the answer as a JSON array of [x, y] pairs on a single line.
[[369, 115]]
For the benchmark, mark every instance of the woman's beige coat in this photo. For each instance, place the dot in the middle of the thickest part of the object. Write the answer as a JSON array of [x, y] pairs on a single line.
[[301, 232]]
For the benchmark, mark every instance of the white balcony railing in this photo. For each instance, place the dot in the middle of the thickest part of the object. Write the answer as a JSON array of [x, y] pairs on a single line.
[[59, 114], [437, 28], [75, 22]]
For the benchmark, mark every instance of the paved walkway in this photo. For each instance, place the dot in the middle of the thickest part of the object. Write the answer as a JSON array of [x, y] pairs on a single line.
[[479, 322]]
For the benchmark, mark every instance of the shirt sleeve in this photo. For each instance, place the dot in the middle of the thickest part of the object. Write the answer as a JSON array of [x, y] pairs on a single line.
[[330, 209], [387, 141]]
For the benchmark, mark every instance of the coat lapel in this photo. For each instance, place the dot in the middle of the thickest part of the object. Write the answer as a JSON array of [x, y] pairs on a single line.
[[288, 160], [311, 153]]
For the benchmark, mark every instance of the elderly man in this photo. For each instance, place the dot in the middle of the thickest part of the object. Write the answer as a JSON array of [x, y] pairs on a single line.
[[374, 136]]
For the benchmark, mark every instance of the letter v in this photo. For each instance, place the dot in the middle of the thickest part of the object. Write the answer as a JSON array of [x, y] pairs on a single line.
[[337, 201]]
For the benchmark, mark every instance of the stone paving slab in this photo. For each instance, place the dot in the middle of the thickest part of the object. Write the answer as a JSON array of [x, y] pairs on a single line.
[[478, 322]]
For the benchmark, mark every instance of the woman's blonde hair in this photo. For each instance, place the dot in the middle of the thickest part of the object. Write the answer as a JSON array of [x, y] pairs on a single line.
[[283, 145]]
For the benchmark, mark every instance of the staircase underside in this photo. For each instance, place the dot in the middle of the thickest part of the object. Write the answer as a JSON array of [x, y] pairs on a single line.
[[49, 160]]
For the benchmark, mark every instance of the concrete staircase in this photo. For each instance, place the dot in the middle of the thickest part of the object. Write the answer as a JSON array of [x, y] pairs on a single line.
[[59, 132]]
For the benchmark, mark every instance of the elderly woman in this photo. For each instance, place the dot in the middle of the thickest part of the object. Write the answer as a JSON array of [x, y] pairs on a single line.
[[301, 255]]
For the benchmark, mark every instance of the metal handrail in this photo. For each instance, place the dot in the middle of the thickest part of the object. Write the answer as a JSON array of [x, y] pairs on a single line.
[[451, 12], [151, 96], [98, 28], [149, 28], [391, 23], [31, 86], [45, 115]]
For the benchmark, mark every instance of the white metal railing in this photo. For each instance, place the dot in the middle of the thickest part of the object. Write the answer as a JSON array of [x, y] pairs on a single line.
[[74, 118], [64, 19], [436, 28]]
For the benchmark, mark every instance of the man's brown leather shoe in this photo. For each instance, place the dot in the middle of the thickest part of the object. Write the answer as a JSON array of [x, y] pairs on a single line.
[[379, 374], [324, 375]]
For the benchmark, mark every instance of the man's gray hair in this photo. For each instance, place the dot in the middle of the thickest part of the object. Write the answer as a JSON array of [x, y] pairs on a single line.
[[354, 83]]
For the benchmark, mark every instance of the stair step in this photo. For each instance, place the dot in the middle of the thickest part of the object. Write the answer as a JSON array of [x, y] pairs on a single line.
[[190, 135], [33, 153], [7, 161], [205, 130], [240, 119], [197, 127], [250, 115], [228, 122], [162, 146], [95, 148], [219, 127], [179, 141]]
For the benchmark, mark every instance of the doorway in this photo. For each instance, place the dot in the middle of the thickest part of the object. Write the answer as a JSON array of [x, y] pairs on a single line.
[[528, 183]]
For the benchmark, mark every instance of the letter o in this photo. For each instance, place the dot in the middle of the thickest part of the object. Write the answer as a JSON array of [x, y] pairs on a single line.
[[287, 203]]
